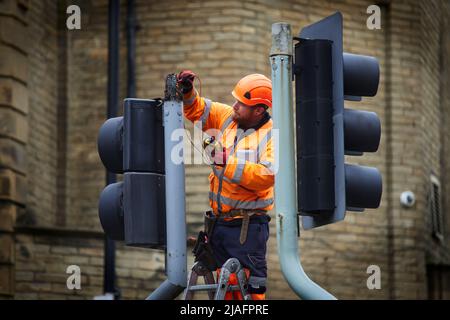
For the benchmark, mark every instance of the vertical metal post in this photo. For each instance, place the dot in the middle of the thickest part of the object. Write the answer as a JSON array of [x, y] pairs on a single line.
[[176, 258], [109, 279], [175, 185], [285, 185]]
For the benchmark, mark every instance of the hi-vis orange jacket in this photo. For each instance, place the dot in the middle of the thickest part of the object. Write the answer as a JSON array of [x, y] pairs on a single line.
[[246, 181]]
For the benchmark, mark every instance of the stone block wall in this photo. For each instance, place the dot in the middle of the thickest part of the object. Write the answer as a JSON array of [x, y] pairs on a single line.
[[53, 101]]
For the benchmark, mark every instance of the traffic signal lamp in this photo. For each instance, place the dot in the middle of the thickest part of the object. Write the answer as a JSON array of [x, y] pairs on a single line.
[[133, 145], [325, 76]]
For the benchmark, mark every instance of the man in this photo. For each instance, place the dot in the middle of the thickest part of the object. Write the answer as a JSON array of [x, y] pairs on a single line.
[[241, 184]]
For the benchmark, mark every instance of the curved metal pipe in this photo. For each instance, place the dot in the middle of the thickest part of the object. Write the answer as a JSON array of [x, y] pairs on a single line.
[[166, 291], [285, 185]]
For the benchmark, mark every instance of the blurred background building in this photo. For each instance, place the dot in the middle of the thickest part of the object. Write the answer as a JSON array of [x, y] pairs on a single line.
[[53, 100]]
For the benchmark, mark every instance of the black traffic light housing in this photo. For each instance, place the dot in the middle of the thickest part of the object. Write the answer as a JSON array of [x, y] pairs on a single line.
[[134, 210], [326, 76]]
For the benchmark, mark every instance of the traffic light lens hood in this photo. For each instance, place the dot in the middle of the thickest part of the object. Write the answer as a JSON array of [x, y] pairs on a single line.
[[110, 211], [110, 144]]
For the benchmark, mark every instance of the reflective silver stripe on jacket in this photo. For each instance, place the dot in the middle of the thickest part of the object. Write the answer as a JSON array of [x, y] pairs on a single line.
[[226, 123], [206, 111], [267, 164], [212, 196], [241, 165], [238, 172], [217, 173], [262, 144], [239, 204]]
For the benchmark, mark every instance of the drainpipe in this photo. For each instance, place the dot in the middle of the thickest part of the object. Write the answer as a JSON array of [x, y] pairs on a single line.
[[285, 185], [131, 49], [176, 257], [109, 278]]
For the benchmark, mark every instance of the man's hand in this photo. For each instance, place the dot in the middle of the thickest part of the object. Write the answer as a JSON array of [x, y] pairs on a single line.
[[190, 241], [185, 80], [220, 157]]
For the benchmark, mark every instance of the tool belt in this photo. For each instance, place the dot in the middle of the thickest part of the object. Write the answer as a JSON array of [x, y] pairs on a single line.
[[203, 251], [244, 219]]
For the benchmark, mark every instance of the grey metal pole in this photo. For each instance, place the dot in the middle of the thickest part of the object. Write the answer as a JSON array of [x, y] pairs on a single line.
[[285, 185], [176, 258]]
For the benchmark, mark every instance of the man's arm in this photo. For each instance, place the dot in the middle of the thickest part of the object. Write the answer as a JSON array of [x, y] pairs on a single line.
[[253, 176], [198, 109]]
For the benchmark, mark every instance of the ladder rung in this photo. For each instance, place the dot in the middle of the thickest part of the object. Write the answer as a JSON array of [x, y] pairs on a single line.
[[205, 287], [210, 287]]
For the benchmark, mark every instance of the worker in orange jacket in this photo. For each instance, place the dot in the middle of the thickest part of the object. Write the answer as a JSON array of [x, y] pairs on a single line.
[[242, 180]]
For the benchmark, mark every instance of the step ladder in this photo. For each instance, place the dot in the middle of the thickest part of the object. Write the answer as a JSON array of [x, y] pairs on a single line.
[[217, 291]]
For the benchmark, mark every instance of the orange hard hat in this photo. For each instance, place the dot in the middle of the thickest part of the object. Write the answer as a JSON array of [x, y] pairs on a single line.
[[254, 89]]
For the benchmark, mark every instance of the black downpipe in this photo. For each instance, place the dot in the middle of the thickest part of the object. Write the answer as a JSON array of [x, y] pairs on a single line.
[[109, 280], [132, 27]]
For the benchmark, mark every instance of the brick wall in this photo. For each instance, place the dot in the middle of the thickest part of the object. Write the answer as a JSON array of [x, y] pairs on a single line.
[[435, 113], [445, 102], [431, 116], [87, 74], [42, 142], [14, 107], [42, 260], [221, 42]]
